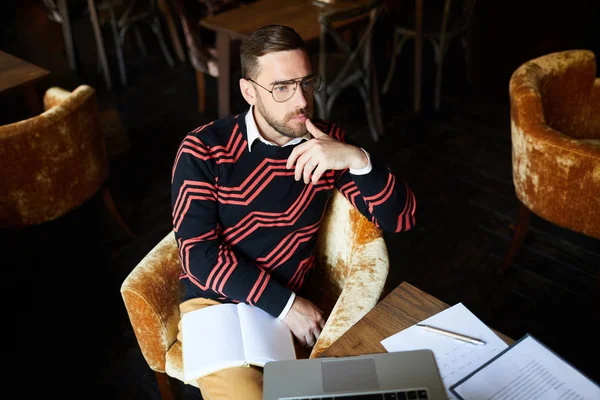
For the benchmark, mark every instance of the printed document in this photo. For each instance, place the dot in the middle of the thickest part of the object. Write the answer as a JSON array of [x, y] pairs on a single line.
[[527, 370]]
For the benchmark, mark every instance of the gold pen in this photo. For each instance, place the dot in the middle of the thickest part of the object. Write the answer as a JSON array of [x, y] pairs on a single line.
[[454, 335]]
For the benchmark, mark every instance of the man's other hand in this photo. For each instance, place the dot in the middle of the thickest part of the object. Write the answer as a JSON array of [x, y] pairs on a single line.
[[305, 320]]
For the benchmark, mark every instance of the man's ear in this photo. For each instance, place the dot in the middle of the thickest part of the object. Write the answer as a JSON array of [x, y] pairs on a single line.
[[248, 91]]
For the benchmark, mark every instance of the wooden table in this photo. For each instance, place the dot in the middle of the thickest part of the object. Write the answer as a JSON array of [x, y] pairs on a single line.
[[20, 75], [235, 24], [403, 307]]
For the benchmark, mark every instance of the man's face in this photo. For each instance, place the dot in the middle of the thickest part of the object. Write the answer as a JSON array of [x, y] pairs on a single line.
[[286, 118]]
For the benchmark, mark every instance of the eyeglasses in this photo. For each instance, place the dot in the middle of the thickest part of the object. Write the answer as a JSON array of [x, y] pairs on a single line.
[[283, 91]]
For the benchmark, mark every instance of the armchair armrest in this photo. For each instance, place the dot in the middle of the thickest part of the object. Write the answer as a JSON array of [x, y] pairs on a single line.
[[369, 265], [152, 293]]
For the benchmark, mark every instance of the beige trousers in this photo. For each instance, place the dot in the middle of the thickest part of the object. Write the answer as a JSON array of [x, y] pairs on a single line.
[[231, 383]]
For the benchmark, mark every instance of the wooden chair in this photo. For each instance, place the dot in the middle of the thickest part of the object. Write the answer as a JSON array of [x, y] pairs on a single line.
[[120, 15], [127, 17], [201, 43], [441, 28], [348, 281], [351, 64], [555, 130], [55, 161]]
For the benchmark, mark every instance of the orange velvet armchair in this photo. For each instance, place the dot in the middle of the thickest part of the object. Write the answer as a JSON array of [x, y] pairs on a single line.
[[55, 161], [348, 281], [555, 128]]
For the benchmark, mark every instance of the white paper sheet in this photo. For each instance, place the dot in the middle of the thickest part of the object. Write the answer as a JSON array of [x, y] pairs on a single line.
[[528, 371], [455, 359], [219, 342], [265, 338]]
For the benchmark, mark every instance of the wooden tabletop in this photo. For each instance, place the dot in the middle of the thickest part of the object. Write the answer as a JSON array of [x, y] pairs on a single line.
[[15, 72], [302, 15], [403, 307]]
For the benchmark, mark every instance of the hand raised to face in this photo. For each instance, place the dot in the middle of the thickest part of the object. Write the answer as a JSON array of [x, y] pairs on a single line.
[[321, 153]]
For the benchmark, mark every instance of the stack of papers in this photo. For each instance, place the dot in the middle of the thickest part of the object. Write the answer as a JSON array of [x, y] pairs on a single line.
[[526, 370]]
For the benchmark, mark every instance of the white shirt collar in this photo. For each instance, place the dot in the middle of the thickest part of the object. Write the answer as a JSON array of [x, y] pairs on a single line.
[[253, 133]]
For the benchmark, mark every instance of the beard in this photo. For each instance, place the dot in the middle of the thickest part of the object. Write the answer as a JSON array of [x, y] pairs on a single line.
[[282, 126]]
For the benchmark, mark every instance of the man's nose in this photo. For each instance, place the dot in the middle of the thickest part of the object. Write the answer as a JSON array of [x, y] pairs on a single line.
[[299, 97]]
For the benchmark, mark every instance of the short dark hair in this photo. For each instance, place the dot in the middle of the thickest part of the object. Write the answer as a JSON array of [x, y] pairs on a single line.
[[265, 40]]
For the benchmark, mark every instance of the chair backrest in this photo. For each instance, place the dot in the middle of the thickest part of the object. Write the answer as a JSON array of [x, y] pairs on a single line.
[[53, 162], [152, 290], [356, 68], [463, 12], [200, 43], [564, 84]]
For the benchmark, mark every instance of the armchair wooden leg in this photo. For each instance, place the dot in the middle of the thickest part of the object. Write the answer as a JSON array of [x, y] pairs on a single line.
[[114, 212], [201, 85], [167, 386], [518, 238]]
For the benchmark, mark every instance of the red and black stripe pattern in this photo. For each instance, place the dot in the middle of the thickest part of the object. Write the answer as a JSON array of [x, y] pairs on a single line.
[[246, 228]]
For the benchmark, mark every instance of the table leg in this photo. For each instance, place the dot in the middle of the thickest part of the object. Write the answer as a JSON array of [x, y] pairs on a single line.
[[100, 42], [63, 9], [224, 80], [418, 55]]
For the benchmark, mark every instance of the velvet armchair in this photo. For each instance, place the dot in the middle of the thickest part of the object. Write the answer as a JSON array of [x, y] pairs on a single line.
[[55, 161], [555, 131], [348, 281]]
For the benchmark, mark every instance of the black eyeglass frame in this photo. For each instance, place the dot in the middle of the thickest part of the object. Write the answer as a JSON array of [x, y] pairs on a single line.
[[296, 81]]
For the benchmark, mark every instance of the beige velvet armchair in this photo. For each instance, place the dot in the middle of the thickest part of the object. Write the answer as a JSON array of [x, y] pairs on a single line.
[[55, 161], [349, 279], [555, 128]]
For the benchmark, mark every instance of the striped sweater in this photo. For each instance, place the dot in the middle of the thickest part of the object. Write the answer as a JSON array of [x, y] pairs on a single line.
[[246, 229]]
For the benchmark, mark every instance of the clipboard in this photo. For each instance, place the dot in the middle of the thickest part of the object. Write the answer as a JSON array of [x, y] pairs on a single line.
[[526, 365]]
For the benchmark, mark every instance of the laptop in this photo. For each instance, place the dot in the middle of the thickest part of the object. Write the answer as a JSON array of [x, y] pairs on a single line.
[[395, 375]]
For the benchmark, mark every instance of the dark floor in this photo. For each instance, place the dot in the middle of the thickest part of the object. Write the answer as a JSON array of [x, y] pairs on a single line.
[[457, 161]]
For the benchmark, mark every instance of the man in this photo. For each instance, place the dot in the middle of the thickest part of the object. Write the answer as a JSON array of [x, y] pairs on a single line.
[[249, 192]]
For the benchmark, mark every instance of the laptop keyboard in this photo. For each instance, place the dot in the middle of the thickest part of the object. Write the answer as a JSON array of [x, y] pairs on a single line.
[[420, 394]]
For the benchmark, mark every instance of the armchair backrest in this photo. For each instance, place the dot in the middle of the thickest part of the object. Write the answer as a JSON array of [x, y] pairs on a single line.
[[152, 290], [559, 90], [53, 162]]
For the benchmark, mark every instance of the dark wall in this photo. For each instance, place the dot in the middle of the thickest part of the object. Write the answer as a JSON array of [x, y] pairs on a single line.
[[507, 33]]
